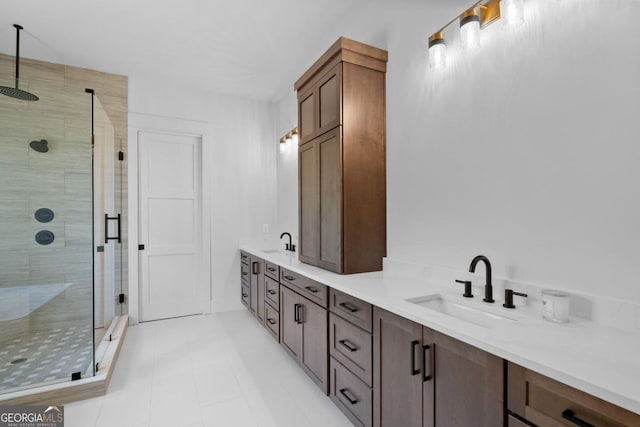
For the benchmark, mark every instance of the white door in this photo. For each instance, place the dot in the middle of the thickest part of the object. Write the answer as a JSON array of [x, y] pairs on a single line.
[[170, 225]]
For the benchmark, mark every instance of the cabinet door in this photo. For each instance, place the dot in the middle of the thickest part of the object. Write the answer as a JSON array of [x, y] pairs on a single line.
[[307, 115], [329, 99], [330, 189], [309, 234], [257, 287], [314, 355], [290, 330], [397, 373], [468, 385]]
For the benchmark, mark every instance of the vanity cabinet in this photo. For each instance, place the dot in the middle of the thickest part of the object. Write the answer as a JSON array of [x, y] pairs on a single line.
[[342, 166], [245, 290], [303, 334], [424, 378], [534, 399]]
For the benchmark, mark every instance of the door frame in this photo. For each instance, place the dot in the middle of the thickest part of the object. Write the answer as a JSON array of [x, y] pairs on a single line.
[[173, 126]]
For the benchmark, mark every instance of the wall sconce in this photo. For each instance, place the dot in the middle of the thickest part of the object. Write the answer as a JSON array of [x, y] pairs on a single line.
[[288, 139], [437, 50]]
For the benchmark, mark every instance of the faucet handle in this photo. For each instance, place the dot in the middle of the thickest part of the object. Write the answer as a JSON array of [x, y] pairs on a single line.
[[467, 288], [508, 298]]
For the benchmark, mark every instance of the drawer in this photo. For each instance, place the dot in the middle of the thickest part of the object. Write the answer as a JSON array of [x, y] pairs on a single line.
[[272, 270], [244, 295], [352, 309], [272, 321], [272, 292], [352, 347], [244, 273], [546, 402], [310, 289], [244, 257], [352, 396]]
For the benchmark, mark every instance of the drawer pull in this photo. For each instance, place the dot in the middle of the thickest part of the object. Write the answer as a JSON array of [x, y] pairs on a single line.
[[568, 414], [289, 277], [348, 345], [245, 256], [311, 289], [254, 267], [351, 400], [271, 269], [271, 292], [244, 273], [425, 377], [271, 321], [244, 295], [352, 308], [295, 313], [413, 369], [299, 311]]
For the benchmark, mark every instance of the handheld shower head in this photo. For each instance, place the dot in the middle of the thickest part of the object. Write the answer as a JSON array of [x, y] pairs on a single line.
[[40, 146]]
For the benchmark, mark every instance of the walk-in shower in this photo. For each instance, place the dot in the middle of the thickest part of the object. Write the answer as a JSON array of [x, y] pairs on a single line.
[[60, 278]]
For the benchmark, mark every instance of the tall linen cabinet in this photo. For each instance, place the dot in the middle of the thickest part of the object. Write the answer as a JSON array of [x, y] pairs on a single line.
[[342, 159]]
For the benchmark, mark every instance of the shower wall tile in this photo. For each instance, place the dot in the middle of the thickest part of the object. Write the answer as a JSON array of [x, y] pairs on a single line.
[[60, 179], [15, 151]]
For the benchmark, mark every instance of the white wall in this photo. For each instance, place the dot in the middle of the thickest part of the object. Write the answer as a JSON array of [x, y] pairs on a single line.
[[525, 151], [239, 166]]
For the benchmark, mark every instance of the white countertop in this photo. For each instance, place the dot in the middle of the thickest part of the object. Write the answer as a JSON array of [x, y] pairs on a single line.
[[592, 357]]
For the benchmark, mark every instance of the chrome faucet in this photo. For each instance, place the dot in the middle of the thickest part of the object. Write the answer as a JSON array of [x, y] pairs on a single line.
[[488, 288], [288, 246]]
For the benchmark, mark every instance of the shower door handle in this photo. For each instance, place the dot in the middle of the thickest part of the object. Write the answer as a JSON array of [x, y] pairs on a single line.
[[108, 218]]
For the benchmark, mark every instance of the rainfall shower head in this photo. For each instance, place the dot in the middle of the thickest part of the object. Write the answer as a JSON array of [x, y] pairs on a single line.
[[40, 146], [15, 92]]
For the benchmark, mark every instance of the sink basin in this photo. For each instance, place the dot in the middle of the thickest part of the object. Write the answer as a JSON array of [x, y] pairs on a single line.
[[270, 251], [487, 317]]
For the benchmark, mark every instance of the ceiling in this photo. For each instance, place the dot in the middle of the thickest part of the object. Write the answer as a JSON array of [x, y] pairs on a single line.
[[249, 48], [240, 47]]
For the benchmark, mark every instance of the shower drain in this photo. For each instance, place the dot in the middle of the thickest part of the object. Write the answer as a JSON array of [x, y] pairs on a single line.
[[19, 360]]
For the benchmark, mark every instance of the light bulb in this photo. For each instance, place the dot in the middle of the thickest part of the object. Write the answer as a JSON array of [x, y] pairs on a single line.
[[470, 29], [513, 11], [294, 139], [283, 147], [437, 51]]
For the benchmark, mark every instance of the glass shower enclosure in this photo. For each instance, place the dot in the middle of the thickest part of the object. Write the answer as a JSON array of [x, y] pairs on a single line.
[[58, 278]]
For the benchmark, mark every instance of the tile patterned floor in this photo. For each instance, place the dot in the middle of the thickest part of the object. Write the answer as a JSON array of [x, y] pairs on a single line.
[[51, 357], [220, 370]]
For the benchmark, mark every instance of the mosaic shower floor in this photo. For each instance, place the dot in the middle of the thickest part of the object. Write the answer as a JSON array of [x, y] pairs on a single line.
[[51, 356]]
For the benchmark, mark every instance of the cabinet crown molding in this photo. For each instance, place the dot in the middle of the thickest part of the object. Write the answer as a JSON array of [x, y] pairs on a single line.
[[350, 51]]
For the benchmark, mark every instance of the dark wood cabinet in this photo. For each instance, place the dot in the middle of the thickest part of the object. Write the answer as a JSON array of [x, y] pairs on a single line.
[[543, 401], [303, 333], [424, 378], [342, 167], [468, 384], [397, 374]]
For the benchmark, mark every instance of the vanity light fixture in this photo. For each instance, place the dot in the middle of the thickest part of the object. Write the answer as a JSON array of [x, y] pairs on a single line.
[[437, 50], [288, 139]]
